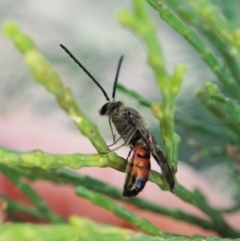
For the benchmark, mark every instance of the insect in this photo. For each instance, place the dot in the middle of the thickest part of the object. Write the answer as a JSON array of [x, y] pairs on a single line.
[[133, 131]]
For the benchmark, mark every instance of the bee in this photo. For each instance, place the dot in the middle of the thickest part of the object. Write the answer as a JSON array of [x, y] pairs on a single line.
[[133, 130]]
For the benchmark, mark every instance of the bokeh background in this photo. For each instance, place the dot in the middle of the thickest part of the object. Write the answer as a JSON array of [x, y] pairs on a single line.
[[90, 30]]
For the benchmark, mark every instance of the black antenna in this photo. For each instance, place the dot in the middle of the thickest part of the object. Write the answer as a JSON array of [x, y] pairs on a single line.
[[116, 77], [86, 71]]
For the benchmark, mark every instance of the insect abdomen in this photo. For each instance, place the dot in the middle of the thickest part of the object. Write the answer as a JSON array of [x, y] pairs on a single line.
[[137, 171]]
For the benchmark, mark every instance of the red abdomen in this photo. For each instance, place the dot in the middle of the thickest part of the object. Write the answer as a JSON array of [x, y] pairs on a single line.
[[137, 171]]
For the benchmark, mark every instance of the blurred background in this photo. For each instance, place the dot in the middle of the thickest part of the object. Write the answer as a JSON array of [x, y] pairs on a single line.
[[89, 29]]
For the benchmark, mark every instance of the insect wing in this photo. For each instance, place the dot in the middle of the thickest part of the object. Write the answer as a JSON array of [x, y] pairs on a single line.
[[162, 162], [150, 142]]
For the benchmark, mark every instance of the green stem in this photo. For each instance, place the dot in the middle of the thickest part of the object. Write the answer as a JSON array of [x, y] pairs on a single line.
[[201, 127], [196, 40], [119, 211], [218, 44], [14, 207], [104, 188], [221, 113], [45, 75], [214, 19], [141, 24], [195, 198], [185, 120], [31, 194], [78, 229], [229, 10]]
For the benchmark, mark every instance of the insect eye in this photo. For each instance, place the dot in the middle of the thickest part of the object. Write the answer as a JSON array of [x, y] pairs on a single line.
[[105, 108], [108, 105]]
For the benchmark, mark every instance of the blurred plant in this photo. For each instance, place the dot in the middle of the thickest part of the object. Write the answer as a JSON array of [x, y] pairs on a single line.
[[198, 22]]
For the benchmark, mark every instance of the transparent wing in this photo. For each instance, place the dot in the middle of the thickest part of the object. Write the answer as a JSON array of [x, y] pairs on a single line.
[[151, 143]]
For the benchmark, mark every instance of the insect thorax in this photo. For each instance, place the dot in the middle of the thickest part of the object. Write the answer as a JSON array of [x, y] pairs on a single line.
[[124, 120]]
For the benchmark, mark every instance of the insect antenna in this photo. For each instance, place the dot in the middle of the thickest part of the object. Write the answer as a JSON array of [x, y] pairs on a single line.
[[86, 71], [116, 77]]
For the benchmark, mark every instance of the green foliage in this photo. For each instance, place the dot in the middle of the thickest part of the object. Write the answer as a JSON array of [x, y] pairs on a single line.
[[140, 23], [77, 229], [188, 18]]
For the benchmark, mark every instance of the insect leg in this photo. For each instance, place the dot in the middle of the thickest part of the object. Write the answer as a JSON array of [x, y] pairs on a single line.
[[117, 147], [113, 134], [115, 141], [127, 138], [129, 153], [125, 132]]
